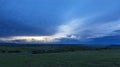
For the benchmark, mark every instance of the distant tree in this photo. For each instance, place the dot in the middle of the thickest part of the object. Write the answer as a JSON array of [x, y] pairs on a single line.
[[14, 51], [2, 51]]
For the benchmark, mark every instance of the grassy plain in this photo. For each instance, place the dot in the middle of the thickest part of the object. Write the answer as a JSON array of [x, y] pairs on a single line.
[[93, 58]]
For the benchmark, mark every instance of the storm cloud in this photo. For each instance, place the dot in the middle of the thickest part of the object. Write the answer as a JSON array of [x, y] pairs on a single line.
[[47, 21]]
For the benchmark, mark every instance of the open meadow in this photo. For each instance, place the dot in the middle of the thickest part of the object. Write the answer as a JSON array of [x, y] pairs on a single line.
[[87, 58]]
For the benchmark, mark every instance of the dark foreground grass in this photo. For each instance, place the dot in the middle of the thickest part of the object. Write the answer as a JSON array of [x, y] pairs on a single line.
[[101, 58]]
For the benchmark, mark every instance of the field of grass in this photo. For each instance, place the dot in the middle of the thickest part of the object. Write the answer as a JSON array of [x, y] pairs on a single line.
[[101, 58]]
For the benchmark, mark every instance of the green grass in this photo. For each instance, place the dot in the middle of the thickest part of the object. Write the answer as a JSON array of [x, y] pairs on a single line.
[[102, 58]]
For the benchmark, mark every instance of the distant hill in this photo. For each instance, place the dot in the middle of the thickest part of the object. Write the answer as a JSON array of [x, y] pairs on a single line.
[[91, 46], [114, 46]]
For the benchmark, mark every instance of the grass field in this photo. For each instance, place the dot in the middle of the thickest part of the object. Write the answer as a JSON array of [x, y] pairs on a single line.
[[101, 58]]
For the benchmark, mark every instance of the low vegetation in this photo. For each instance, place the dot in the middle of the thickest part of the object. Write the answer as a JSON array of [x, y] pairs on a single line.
[[103, 58], [59, 56]]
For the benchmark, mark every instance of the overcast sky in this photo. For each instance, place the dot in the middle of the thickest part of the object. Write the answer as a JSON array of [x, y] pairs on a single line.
[[60, 21]]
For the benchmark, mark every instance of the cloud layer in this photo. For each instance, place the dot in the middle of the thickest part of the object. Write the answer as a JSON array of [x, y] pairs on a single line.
[[77, 29], [51, 21]]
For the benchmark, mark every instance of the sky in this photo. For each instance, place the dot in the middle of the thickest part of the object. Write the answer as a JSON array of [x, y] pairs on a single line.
[[60, 21]]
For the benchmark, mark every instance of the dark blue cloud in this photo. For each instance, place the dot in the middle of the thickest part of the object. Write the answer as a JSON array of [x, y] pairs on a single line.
[[106, 40], [40, 17], [45, 17], [11, 28]]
